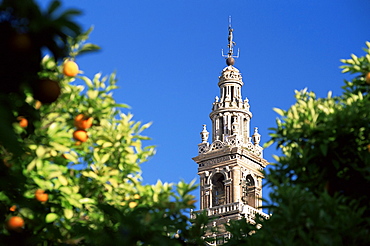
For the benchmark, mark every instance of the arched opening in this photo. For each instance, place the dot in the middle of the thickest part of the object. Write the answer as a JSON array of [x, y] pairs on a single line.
[[218, 189], [249, 191], [250, 180]]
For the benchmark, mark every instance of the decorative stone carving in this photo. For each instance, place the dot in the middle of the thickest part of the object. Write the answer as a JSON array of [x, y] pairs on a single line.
[[246, 103], [230, 73], [203, 148], [217, 145], [204, 134], [235, 127], [256, 136], [234, 140]]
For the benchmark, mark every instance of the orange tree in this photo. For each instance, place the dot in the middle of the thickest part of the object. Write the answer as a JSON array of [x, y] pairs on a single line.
[[25, 32], [57, 188], [321, 182]]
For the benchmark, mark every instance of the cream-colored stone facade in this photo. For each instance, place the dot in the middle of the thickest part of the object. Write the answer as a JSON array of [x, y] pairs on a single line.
[[230, 165]]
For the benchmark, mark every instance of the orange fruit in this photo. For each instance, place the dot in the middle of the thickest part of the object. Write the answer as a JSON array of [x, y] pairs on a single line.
[[80, 135], [367, 78], [41, 196], [23, 122], [46, 90], [15, 223], [83, 122], [70, 68], [13, 208]]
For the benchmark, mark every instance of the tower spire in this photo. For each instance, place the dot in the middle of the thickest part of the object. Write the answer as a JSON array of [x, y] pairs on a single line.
[[230, 54]]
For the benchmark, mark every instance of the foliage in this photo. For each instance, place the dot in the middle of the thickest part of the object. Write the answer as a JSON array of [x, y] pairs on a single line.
[[320, 183], [95, 191], [25, 32]]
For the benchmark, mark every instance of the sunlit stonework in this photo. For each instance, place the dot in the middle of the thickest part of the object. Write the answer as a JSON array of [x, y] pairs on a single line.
[[230, 165]]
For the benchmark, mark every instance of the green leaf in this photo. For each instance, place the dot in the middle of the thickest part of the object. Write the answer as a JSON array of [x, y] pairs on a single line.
[[87, 201], [89, 174], [40, 151], [53, 6], [27, 213], [279, 111], [145, 126], [269, 143], [32, 164], [105, 158], [51, 217], [59, 147], [88, 48], [66, 190], [324, 149], [92, 94], [87, 81], [63, 180], [68, 213]]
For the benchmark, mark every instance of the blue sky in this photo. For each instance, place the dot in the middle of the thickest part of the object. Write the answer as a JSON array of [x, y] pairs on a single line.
[[167, 55]]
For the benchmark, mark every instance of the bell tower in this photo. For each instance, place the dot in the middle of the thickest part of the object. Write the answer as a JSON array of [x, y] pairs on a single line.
[[230, 164]]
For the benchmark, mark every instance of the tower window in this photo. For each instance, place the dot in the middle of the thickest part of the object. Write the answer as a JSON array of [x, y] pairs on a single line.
[[221, 131], [249, 191], [218, 189]]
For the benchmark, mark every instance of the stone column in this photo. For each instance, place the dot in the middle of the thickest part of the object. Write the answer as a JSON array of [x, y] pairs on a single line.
[[207, 198], [236, 176], [228, 192]]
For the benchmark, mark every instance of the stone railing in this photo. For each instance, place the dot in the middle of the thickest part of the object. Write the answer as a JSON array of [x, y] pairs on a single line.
[[236, 207], [251, 212], [223, 209]]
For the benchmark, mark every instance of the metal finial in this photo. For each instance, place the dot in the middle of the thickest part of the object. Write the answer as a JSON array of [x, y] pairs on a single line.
[[230, 55]]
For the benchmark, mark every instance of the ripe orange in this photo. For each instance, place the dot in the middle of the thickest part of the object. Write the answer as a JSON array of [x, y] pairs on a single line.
[[23, 122], [70, 68], [80, 135], [367, 78], [13, 208], [83, 122], [46, 90], [15, 223], [41, 196]]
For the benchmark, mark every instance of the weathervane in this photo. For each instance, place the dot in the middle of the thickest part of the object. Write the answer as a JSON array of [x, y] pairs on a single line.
[[230, 55]]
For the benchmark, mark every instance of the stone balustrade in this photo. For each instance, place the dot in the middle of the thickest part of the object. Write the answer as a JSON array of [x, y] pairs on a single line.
[[251, 212], [223, 209], [236, 207]]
